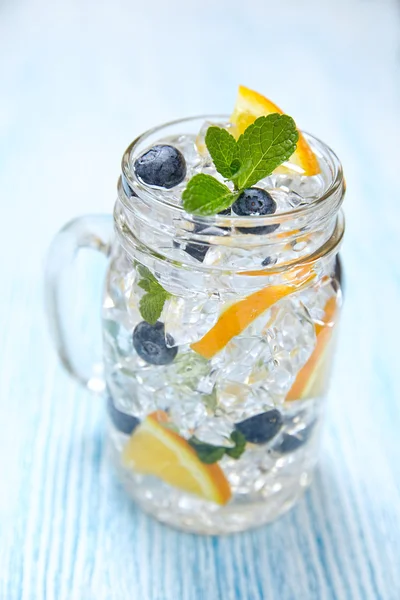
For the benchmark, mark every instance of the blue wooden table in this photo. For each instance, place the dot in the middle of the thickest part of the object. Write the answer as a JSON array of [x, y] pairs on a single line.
[[78, 80]]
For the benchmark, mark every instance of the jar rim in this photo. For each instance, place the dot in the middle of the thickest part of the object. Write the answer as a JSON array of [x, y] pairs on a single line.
[[334, 185]]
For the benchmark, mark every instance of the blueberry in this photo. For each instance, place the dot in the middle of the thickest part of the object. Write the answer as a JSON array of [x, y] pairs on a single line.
[[198, 227], [121, 421], [162, 165], [339, 272], [213, 231], [255, 201], [225, 213], [198, 249], [261, 428], [267, 261], [149, 342], [126, 187], [291, 442]]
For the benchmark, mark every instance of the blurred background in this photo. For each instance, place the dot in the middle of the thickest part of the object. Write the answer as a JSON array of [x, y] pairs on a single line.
[[79, 80]]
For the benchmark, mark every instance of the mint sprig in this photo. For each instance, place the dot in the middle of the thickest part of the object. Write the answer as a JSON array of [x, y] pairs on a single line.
[[263, 146], [152, 303], [210, 454]]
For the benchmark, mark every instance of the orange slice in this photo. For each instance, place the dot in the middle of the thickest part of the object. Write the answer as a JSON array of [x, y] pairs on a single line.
[[238, 316], [250, 105], [153, 449], [311, 379]]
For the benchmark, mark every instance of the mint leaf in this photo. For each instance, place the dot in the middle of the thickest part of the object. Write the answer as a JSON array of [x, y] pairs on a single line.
[[210, 454], [145, 285], [205, 195], [152, 303], [263, 146], [190, 365], [151, 306], [224, 151], [207, 453], [210, 400], [147, 275], [240, 443]]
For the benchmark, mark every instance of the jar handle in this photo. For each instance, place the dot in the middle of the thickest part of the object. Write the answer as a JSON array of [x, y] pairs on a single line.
[[64, 295]]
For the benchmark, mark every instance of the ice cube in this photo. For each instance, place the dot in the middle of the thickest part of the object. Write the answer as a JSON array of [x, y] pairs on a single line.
[[132, 392], [306, 187], [216, 431], [290, 337], [186, 143], [188, 369], [187, 412], [285, 197], [187, 320], [206, 384], [250, 473], [236, 361], [315, 298], [238, 258], [239, 401], [201, 136]]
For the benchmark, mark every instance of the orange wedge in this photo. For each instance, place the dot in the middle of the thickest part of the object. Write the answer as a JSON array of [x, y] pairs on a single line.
[[249, 106], [311, 379], [237, 317], [153, 449]]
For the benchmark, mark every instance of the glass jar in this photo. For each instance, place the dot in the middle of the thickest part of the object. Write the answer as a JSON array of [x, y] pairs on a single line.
[[215, 410]]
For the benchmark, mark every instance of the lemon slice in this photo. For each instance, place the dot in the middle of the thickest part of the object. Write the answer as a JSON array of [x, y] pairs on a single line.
[[153, 449], [249, 106]]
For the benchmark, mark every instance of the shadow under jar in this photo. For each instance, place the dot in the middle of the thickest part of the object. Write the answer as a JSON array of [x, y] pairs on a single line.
[[214, 410]]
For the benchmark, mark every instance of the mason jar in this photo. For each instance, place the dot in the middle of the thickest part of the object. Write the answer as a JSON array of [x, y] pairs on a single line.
[[215, 402]]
